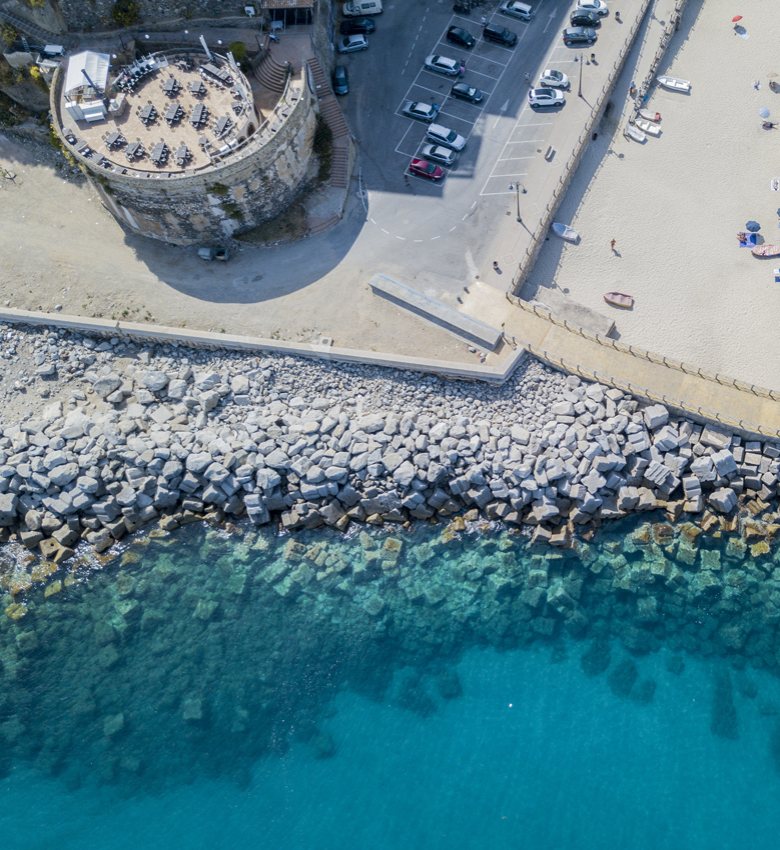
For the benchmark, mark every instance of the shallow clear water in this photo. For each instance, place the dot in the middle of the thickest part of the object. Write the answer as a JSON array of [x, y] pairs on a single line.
[[190, 699]]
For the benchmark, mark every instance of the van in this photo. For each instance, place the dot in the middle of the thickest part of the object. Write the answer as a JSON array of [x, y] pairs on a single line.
[[517, 9], [354, 8], [496, 33], [444, 136]]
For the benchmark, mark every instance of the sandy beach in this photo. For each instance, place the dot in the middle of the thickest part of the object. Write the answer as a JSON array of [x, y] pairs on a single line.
[[675, 204]]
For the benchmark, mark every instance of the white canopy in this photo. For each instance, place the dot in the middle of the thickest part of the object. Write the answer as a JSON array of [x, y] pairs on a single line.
[[95, 64]]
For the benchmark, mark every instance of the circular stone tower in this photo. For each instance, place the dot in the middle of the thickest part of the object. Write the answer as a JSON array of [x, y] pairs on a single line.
[[176, 145]]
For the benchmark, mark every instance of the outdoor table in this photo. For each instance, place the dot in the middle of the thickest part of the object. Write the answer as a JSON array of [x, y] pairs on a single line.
[[159, 153], [148, 113], [198, 116], [173, 113], [134, 150], [223, 125], [196, 87], [171, 86], [115, 140]]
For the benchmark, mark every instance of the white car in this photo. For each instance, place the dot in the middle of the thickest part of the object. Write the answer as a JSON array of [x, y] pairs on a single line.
[[597, 6], [545, 97], [444, 65], [351, 43], [440, 135], [554, 79], [438, 153]]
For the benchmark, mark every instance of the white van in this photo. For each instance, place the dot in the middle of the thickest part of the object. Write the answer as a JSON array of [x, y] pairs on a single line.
[[355, 8], [446, 137], [517, 9]]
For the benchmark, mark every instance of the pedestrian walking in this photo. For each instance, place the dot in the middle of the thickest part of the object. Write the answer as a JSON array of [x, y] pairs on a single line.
[[612, 244], [495, 266], [617, 17], [592, 58]]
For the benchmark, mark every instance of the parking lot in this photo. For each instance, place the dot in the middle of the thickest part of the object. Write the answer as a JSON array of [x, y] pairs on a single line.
[[461, 217]]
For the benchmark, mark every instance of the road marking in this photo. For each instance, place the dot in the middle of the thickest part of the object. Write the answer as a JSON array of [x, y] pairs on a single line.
[[402, 238], [549, 21], [511, 158], [525, 141]]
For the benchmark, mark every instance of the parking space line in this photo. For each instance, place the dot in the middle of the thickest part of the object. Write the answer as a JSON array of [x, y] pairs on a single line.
[[542, 124], [402, 139], [524, 141]]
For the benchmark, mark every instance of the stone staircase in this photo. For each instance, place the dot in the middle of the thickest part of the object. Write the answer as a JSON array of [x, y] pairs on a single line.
[[272, 74], [334, 118]]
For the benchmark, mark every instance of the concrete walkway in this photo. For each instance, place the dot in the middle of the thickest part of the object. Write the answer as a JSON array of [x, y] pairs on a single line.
[[646, 375]]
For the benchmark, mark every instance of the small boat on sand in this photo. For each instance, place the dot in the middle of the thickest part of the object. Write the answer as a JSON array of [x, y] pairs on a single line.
[[674, 84], [633, 132], [766, 251], [649, 115], [619, 299], [648, 127], [565, 231]]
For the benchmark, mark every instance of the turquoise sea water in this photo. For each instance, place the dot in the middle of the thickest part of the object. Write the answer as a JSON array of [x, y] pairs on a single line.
[[395, 692]]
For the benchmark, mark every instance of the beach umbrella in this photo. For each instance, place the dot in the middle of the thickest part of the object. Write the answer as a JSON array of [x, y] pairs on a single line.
[[736, 18], [753, 226], [763, 112]]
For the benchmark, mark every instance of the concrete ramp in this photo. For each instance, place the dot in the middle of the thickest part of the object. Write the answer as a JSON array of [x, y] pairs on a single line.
[[436, 311], [566, 309]]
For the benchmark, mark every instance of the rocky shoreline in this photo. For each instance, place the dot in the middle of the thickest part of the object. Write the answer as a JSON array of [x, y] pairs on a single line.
[[109, 435]]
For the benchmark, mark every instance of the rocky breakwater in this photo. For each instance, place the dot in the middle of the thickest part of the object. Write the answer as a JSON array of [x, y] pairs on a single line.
[[116, 435]]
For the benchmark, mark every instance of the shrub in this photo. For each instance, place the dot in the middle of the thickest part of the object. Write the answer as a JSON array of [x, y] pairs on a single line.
[[238, 49], [323, 147], [125, 13]]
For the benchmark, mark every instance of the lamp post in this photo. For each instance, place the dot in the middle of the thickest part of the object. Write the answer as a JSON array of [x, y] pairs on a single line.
[[517, 197], [579, 87]]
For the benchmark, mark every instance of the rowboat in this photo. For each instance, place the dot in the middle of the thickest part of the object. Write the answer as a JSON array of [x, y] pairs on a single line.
[[565, 231], [674, 84], [648, 127], [619, 299], [649, 115], [766, 251], [633, 132]]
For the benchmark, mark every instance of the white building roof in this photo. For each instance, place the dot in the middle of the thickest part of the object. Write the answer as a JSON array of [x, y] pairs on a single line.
[[95, 64]]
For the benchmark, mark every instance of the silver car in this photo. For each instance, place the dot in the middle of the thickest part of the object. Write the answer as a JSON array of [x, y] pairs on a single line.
[[554, 79], [440, 154], [351, 43], [444, 65]]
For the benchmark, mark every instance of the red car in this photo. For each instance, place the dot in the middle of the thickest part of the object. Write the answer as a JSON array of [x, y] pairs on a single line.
[[423, 168]]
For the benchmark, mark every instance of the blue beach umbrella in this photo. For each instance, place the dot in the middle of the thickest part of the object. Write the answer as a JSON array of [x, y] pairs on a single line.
[[753, 226], [763, 112]]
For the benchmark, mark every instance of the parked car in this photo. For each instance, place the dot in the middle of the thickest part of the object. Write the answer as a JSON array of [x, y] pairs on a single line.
[[598, 6], [352, 43], [463, 91], [585, 18], [554, 79], [444, 136], [357, 26], [444, 65], [358, 8], [420, 111], [423, 168], [461, 37], [575, 36], [438, 153], [340, 80], [516, 9], [545, 97], [499, 35]]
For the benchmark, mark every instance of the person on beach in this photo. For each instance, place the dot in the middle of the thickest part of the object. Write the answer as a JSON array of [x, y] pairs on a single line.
[[612, 244]]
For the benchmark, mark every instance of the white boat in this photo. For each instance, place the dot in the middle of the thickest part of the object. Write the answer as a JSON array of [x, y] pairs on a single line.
[[674, 84], [565, 231], [648, 127], [619, 299], [650, 115], [633, 132]]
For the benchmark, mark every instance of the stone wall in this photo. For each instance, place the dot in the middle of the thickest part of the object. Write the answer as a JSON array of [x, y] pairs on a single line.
[[96, 14]]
